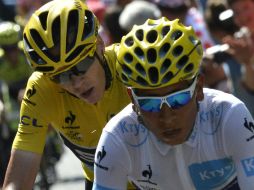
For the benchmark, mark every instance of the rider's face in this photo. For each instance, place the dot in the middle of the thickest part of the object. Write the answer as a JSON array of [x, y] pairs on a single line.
[[89, 86], [172, 126]]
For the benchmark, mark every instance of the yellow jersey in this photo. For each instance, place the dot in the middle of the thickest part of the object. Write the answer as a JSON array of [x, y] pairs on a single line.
[[79, 124]]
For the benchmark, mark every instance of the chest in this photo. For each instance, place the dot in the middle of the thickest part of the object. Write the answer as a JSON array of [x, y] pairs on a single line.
[[182, 167]]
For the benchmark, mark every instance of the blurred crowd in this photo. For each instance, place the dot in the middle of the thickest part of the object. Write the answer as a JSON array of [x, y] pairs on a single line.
[[225, 27]]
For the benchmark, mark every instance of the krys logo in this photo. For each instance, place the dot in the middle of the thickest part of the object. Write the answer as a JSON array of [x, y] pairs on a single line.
[[135, 134], [29, 93], [250, 126], [69, 120], [213, 116], [248, 166], [212, 174]]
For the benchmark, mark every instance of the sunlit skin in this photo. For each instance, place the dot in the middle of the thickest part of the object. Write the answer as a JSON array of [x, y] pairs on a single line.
[[89, 87], [172, 126]]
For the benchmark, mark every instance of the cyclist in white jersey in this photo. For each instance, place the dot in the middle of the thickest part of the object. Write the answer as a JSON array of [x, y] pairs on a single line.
[[177, 135]]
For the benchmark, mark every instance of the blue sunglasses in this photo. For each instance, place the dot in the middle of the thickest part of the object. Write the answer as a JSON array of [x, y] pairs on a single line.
[[174, 101]]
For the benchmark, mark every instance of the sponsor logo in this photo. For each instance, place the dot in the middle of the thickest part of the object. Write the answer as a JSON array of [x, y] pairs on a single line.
[[147, 173], [75, 136], [146, 183], [250, 126], [100, 156], [136, 134], [248, 166], [69, 120], [27, 120], [29, 93], [213, 116], [212, 174]]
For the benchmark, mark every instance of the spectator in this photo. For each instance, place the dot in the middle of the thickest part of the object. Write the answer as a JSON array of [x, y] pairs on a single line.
[[242, 47], [137, 12], [188, 14]]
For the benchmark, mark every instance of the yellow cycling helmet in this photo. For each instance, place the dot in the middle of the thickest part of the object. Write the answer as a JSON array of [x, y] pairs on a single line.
[[9, 33], [59, 35], [158, 53]]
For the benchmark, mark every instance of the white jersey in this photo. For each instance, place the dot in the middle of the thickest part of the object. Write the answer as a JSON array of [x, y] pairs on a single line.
[[219, 153]]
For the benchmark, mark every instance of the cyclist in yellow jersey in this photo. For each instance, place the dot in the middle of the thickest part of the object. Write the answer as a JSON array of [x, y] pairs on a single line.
[[73, 89]]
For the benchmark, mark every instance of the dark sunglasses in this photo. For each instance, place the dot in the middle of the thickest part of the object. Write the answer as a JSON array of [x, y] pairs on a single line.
[[77, 70]]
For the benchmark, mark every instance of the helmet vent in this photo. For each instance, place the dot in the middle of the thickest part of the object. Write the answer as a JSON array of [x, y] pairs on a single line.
[[182, 62], [189, 68], [76, 52], [152, 36], [141, 81], [139, 52], [140, 35], [165, 66], [176, 35], [167, 77], [72, 30], [56, 39], [37, 38], [44, 69], [43, 19], [33, 55], [89, 25], [124, 78], [153, 75], [140, 69], [151, 55], [129, 42], [126, 70], [165, 30], [164, 49], [177, 51], [128, 58]]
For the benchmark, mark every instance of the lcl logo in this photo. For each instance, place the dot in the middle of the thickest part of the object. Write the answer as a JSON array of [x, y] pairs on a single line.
[[27, 120]]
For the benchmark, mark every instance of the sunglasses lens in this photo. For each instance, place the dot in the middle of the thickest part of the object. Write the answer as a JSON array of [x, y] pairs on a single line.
[[179, 100], [150, 105], [79, 69]]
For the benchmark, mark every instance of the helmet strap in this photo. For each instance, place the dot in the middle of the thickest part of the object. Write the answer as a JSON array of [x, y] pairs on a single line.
[[108, 75]]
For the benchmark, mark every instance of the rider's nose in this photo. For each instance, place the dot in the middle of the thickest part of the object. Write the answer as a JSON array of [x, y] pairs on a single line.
[[165, 111], [76, 82]]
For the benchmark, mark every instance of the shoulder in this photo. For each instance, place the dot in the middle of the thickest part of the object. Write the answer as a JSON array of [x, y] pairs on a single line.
[[212, 96], [218, 107], [40, 88], [125, 115], [41, 80], [125, 126], [110, 55]]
